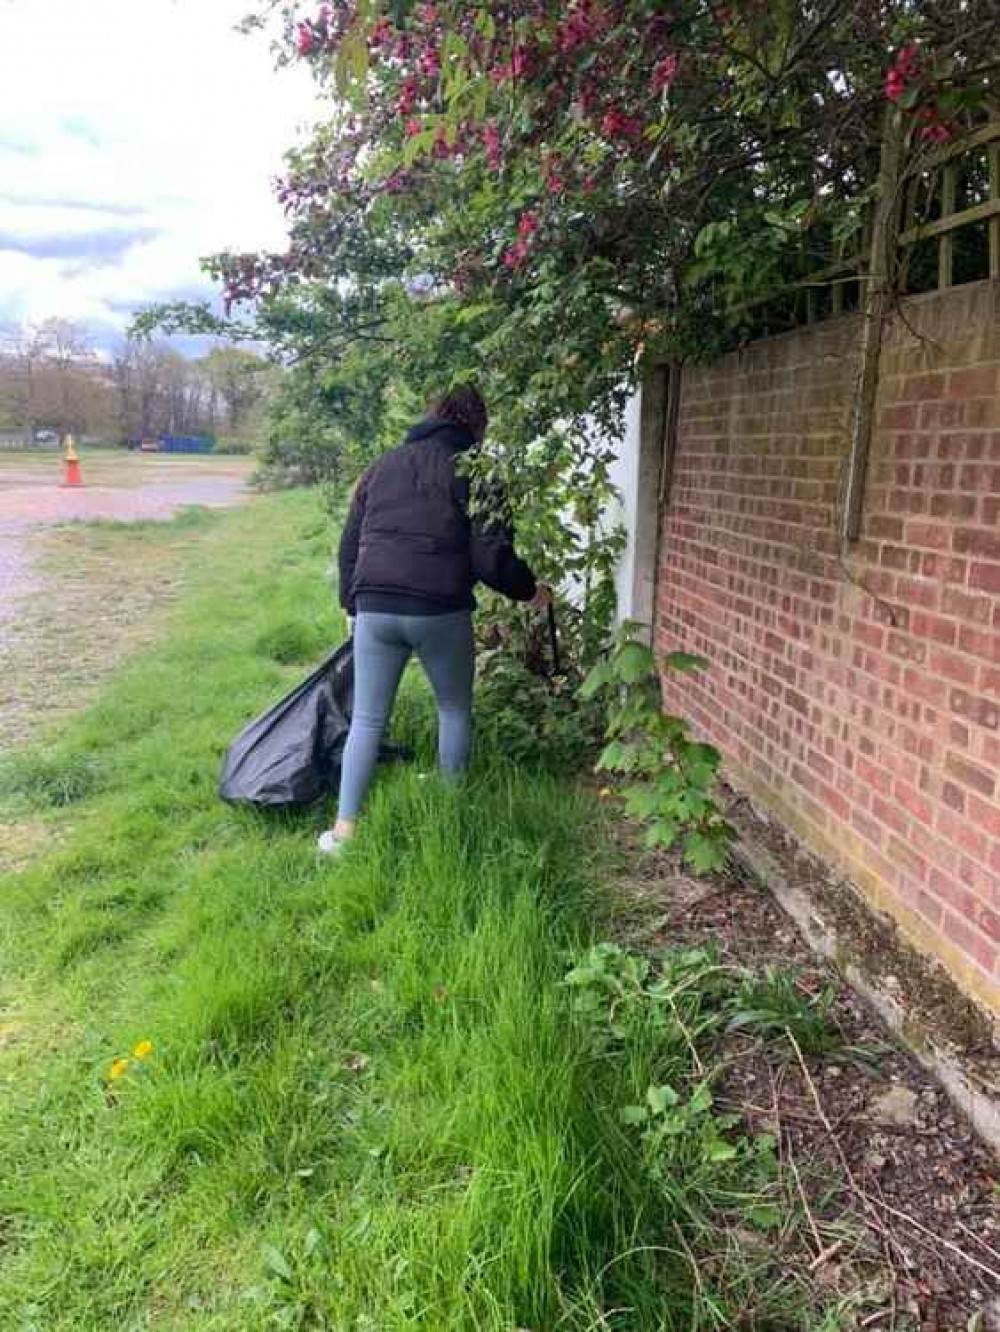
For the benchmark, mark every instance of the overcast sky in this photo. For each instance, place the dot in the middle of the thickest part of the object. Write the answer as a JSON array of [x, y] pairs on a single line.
[[135, 136]]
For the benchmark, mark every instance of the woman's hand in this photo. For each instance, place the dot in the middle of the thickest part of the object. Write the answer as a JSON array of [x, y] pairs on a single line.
[[542, 598]]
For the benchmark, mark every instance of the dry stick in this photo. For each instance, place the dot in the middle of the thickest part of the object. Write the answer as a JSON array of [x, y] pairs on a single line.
[[939, 1239], [878, 1316], [866, 1202], [871, 1203], [820, 1248], [981, 1242], [786, 1146], [825, 1256]]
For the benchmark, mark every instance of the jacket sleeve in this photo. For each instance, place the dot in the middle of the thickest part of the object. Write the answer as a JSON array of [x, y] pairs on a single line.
[[494, 559], [349, 542]]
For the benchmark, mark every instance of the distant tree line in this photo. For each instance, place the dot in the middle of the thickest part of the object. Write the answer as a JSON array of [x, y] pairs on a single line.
[[53, 378]]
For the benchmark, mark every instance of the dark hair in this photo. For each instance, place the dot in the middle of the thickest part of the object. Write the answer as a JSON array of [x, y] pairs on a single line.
[[463, 405]]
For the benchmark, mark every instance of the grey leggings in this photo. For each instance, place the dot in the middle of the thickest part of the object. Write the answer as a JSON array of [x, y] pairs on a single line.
[[383, 645]]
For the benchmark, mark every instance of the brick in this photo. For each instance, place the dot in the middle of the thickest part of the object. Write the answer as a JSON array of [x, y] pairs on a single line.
[[950, 666], [979, 711], [958, 507], [878, 710], [954, 797], [985, 577], [927, 535], [971, 775], [902, 416], [971, 942], [924, 387], [979, 541], [909, 861], [977, 383], [915, 804], [979, 643], [985, 815], [891, 815], [935, 628]]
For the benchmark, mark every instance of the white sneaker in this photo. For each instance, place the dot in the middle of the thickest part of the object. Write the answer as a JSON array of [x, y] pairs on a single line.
[[329, 844]]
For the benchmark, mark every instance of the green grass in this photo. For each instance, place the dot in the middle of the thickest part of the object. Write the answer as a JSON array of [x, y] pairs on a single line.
[[371, 1103]]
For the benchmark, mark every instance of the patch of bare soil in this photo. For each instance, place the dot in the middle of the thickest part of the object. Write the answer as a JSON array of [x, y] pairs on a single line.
[[901, 1203], [97, 594]]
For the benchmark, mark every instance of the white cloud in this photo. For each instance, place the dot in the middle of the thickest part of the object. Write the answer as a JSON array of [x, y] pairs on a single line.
[[150, 119]]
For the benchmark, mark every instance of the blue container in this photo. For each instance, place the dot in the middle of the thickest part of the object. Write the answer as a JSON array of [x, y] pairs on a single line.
[[186, 444]]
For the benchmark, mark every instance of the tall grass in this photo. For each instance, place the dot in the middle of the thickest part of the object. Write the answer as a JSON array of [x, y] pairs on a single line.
[[370, 1102]]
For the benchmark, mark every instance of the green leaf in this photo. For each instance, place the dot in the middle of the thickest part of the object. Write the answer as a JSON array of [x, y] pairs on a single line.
[[701, 1099], [660, 1099], [601, 676], [633, 662], [634, 1114], [764, 1216], [721, 1151], [662, 833], [277, 1263], [315, 1244], [704, 852], [685, 662]]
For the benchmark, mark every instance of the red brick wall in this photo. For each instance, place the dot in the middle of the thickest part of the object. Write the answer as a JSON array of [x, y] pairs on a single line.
[[860, 700]]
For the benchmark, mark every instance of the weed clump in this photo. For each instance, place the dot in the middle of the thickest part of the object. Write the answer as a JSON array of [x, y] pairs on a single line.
[[51, 779], [291, 643]]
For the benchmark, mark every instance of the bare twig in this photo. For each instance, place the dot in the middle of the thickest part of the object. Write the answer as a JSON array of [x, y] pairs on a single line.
[[872, 1204]]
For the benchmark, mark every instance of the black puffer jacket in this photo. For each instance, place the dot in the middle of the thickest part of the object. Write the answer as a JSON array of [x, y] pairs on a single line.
[[409, 543]]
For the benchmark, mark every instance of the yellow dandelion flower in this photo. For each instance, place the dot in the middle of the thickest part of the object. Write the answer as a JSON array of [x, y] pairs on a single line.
[[605, 792], [143, 1050], [118, 1067]]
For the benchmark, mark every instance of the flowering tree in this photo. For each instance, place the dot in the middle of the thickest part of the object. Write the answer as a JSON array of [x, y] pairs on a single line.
[[545, 196], [639, 164]]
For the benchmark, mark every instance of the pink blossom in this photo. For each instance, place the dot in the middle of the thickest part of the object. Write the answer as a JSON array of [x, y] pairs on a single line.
[[491, 141], [665, 73], [934, 130], [617, 125], [907, 62], [516, 67], [382, 33], [397, 183], [413, 128], [407, 97], [895, 85], [305, 39], [577, 30], [527, 225], [430, 64], [516, 255], [905, 68]]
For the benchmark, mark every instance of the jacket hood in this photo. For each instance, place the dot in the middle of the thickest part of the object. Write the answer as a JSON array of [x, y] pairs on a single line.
[[459, 437]]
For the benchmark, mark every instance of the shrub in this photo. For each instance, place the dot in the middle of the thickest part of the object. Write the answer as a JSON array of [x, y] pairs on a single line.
[[671, 778]]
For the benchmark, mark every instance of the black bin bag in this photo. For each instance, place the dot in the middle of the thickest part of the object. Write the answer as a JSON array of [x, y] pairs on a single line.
[[291, 755]]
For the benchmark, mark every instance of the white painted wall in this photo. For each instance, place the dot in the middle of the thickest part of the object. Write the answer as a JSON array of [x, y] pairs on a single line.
[[625, 477], [627, 511]]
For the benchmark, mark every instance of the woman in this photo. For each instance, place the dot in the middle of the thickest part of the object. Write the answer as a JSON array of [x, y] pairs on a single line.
[[409, 558]]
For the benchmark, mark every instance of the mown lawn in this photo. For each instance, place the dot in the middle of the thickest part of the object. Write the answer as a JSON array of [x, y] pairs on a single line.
[[371, 1102]]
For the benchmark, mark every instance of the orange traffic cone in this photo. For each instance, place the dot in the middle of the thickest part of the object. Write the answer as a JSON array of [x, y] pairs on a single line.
[[72, 460]]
